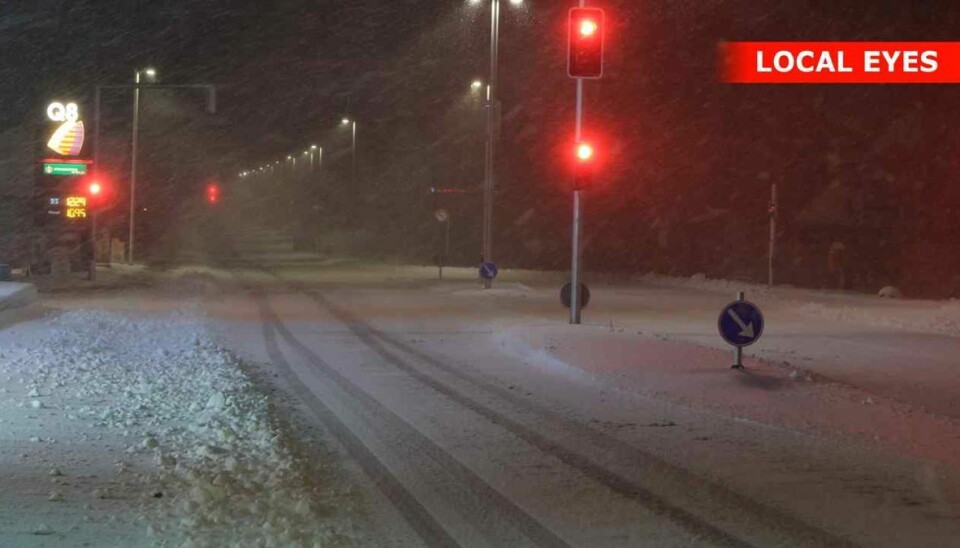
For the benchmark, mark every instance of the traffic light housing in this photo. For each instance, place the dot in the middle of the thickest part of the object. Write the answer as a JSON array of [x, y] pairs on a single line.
[[585, 158], [586, 43]]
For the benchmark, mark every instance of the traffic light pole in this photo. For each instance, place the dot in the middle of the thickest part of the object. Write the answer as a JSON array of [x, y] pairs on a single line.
[[575, 304]]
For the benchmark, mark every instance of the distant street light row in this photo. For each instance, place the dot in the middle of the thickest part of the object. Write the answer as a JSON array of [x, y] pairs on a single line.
[[314, 150]]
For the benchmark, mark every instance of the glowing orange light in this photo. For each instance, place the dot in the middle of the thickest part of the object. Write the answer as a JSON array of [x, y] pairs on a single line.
[[95, 189]]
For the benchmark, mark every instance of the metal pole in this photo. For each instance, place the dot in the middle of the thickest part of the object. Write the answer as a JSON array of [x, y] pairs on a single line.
[[133, 167], [773, 232], [353, 155], [489, 171], [96, 171], [93, 243], [96, 129], [738, 351], [575, 304]]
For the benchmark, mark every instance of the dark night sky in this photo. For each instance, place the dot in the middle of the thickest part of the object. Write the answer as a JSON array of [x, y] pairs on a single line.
[[684, 152]]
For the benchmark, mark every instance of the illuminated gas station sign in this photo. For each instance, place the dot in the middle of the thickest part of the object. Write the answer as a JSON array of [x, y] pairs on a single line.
[[76, 207], [67, 139]]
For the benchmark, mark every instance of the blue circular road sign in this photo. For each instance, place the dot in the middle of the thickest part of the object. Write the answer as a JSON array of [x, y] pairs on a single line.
[[488, 271], [740, 323]]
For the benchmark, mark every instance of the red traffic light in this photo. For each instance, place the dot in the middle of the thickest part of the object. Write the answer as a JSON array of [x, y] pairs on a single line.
[[97, 191], [583, 171], [585, 59], [213, 193], [584, 152], [588, 28]]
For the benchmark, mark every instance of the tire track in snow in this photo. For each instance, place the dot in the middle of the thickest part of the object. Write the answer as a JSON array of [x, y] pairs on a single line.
[[432, 533], [772, 520], [419, 517]]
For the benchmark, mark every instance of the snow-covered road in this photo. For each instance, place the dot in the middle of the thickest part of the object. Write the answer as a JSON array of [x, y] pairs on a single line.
[[406, 411]]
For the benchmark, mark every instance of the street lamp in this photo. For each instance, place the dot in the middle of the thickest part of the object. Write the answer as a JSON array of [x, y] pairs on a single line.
[[151, 74], [489, 181], [353, 148]]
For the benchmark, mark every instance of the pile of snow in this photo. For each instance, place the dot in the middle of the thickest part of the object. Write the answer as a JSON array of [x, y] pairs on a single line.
[[941, 318], [702, 282], [220, 467], [890, 292]]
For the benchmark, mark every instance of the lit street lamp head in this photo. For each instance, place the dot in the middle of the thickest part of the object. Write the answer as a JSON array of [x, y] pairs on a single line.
[[476, 85], [345, 121]]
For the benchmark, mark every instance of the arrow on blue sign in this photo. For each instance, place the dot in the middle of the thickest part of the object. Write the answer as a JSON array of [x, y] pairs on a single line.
[[488, 271], [741, 323]]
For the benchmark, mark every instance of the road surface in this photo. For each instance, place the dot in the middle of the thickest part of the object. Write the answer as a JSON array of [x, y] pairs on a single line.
[[463, 417]]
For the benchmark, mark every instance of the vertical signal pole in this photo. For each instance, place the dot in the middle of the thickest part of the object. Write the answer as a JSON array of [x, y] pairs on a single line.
[[575, 304], [96, 172], [585, 60]]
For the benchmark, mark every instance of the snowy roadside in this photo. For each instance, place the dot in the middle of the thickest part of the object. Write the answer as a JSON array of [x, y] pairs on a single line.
[[698, 377], [14, 295], [146, 425], [855, 309]]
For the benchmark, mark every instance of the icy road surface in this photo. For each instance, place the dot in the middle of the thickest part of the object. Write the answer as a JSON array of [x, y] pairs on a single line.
[[441, 414]]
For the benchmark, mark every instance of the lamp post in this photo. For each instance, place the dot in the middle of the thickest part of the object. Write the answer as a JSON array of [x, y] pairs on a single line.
[[151, 74], [489, 180], [353, 148]]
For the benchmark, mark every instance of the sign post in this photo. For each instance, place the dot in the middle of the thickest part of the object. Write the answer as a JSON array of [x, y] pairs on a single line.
[[443, 216], [772, 210], [740, 324]]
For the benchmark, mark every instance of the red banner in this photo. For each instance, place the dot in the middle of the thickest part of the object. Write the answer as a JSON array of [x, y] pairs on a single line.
[[840, 62]]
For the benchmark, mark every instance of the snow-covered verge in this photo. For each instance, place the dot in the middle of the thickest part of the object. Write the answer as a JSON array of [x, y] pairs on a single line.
[[855, 309], [698, 377], [15, 295], [200, 461]]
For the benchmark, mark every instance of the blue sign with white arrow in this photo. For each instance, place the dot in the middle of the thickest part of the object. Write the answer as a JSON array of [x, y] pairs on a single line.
[[488, 271], [741, 323]]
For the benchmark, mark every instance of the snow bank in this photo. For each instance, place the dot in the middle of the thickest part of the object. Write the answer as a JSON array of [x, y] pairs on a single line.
[[219, 464], [14, 295]]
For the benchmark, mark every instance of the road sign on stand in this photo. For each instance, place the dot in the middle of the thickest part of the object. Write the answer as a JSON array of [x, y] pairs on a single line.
[[740, 324], [489, 271]]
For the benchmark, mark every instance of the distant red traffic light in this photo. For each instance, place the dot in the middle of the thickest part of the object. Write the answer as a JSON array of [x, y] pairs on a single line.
[[213, 193], [98, 192], [585, 56]]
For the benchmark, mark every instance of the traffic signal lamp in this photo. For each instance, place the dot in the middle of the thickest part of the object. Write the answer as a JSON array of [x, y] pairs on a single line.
[[97, 192], [213, 193], [586, 43], [583, 171]]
